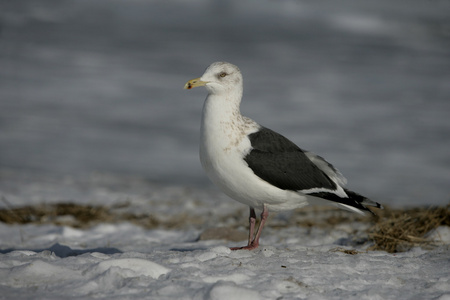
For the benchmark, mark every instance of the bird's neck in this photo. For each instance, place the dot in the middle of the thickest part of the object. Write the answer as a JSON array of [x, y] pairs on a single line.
[[220, 113], [221, 108]]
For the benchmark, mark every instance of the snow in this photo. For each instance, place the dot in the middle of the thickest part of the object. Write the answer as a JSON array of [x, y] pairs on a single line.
[[184, 269], [122, 260]]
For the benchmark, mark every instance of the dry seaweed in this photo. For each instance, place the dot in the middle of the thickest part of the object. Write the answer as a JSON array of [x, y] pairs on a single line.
[[84, 216], [70, 214], [400, 230]]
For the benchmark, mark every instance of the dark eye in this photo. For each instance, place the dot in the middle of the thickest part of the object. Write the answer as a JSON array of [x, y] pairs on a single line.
[[223, 74]]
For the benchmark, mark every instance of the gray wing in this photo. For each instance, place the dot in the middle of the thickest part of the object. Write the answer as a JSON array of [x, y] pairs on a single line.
[[327, 168], [283, 164]]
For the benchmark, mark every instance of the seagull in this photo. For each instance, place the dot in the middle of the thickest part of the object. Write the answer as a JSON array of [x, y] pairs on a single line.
[[258, 166]]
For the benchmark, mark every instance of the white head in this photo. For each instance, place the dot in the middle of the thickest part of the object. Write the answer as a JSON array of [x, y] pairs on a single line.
[[219, 78]]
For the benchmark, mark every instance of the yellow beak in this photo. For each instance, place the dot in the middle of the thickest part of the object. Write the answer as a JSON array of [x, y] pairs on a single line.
[[194, 83]]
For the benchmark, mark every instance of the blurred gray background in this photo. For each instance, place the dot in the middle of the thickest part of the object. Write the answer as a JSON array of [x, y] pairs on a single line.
[[96, 86]]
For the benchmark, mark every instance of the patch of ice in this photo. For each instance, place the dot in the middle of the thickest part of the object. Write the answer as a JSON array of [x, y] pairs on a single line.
[[70, 232], [37, 272], [206, 256], [221, 250], [227, 291], [131, 267], [241, 254], [234, 277], [213, 253], [100, 255]]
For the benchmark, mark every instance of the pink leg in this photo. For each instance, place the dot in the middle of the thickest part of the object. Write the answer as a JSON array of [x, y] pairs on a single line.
[[253, 243], [252, 222], [264, 216]]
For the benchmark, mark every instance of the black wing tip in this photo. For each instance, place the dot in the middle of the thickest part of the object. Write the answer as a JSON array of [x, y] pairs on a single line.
[[377, 205], [354, 200], [362, 200]]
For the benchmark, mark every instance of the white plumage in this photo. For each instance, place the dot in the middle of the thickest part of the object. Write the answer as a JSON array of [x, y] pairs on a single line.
[[257, 166]]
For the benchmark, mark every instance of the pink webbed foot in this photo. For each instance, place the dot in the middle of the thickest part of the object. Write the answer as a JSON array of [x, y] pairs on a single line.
[[252, 246], [253, 242]]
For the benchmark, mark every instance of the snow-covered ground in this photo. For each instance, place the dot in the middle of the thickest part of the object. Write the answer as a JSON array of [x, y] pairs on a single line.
[[121, 260], [162, 264]]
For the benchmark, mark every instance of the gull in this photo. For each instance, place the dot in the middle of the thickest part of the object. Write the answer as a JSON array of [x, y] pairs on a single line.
[[257, 166]]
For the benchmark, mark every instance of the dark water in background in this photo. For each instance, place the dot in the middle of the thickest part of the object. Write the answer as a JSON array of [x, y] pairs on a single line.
[[97, 86]]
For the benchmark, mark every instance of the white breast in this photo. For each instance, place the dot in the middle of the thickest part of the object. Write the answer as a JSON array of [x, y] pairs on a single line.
[[224, 144]]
